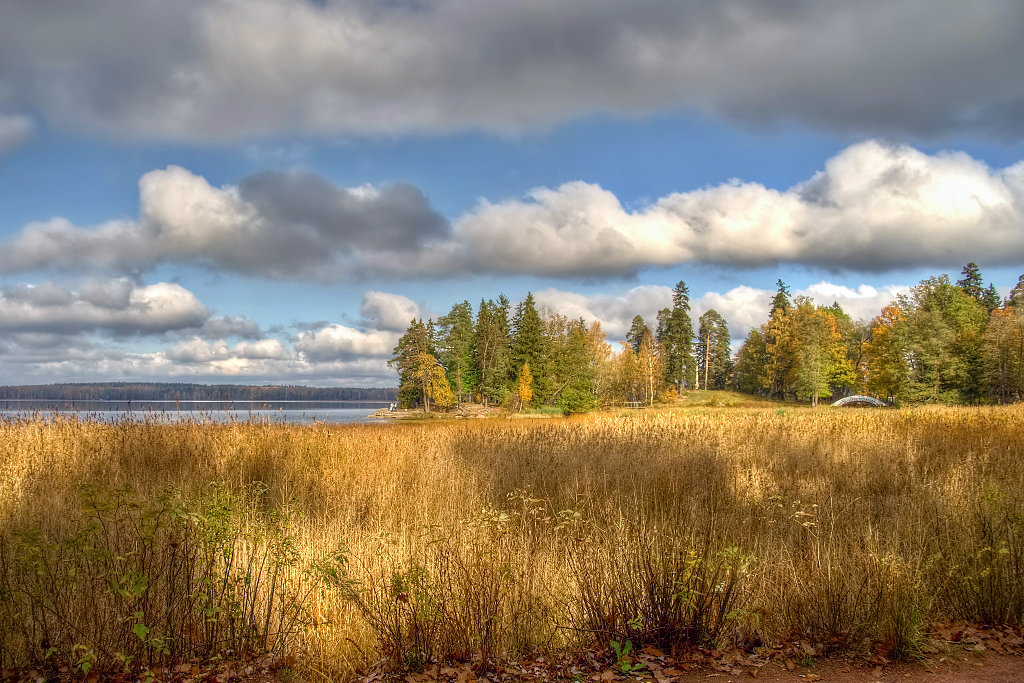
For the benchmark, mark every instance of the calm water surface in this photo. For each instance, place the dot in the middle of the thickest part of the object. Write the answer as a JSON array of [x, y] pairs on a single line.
[[296, 412]]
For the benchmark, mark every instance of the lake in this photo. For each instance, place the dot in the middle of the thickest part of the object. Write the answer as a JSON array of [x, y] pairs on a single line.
[[295, 412]]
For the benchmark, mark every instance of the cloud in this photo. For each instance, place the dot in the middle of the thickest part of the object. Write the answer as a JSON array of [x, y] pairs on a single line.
[[15, 130], [338, 342], [220, 326], [743, 308], [121, 328], [100, 364], [272, 225], [615, 311], [119, 307], [874, 207], [198, 350], [230, 69], [862, 303], [390, 312]]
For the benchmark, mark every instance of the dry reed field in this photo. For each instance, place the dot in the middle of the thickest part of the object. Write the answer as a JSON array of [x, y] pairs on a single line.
[[131, 545]]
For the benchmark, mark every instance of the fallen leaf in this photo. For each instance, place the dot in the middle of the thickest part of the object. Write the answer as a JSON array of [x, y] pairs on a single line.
[[790, 664]]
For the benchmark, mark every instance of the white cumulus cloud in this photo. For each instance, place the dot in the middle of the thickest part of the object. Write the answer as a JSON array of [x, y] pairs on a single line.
[[339, 342], [874, 207], [386, 311], [615, 311], [119, 307]]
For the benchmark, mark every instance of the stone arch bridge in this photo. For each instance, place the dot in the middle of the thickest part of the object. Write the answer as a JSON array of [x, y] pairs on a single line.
[[859, 400]]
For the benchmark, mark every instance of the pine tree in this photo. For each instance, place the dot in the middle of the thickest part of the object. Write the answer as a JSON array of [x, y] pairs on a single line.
[[990, 298], [456, 340], [491, 350], [751, 364], [636, 333], [971, 281], [405, 359], [713, 350], [675, 334], [1016, 298], [528, 342], [780, 302], [780, 345], [780, 348]]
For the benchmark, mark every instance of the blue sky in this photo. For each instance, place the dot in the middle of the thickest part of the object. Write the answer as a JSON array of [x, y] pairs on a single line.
[[266, 191]]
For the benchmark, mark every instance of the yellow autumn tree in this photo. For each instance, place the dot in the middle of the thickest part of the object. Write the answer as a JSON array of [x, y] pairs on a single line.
[[433, 382], [524, 390], [885, 354], [651, 364]]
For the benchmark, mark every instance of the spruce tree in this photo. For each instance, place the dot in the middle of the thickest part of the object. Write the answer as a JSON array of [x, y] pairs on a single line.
[[491, 350], [455, 349], [751, 364], [1016, 298], [971, 281], [780, 302], [528, 342], [636, 333], [675, 332], [405, 359], [780, 345], [713, 350], [990, 297]]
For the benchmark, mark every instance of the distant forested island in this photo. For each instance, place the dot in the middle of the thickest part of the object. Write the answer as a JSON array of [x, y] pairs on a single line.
[[166, 391]]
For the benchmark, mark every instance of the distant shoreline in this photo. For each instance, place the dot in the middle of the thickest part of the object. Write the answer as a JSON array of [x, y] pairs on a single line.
[[172, 392], [192, 400]]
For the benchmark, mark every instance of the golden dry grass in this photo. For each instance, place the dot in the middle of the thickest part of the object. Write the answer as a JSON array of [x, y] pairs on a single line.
[[494, 537]]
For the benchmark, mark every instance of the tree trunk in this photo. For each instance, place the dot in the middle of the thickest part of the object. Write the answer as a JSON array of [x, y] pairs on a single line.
[[707, 358], [458, 382]]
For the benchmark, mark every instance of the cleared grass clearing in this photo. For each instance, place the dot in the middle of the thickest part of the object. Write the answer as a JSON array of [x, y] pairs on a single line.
[[492, 538]]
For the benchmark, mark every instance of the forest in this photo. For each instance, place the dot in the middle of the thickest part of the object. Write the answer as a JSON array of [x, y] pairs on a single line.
[[942, 342]]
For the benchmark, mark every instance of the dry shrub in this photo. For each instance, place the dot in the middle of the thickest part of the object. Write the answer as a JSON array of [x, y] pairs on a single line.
[[485, 539]]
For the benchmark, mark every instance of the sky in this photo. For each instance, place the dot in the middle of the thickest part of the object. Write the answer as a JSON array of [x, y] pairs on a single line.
[[268, 191]]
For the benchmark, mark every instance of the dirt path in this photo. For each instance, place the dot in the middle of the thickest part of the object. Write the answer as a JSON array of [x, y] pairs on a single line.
[[985, 668]]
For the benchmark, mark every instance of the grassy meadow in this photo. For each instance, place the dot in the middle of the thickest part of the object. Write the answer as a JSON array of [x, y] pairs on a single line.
[[130, 545]]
